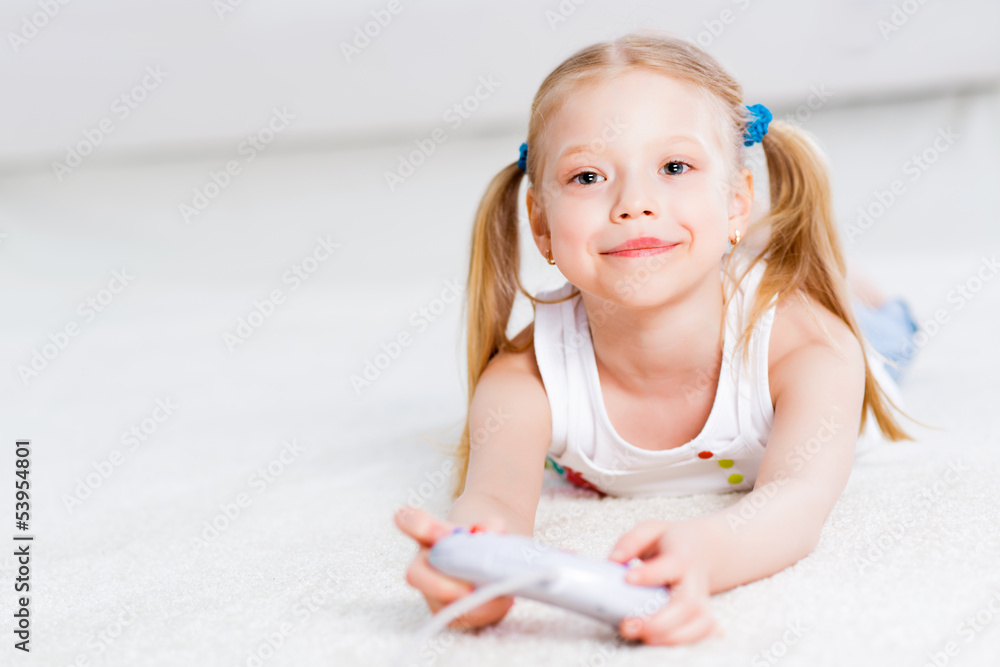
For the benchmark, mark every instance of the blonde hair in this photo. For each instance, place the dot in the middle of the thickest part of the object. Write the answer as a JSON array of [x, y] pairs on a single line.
[[803, 252]]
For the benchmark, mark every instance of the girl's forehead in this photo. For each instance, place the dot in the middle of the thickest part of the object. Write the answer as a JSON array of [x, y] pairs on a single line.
[[639, 105]]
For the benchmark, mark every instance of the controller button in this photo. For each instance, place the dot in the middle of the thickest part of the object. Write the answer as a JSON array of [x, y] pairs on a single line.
[[735, 479], [705, 455], [725, 463]]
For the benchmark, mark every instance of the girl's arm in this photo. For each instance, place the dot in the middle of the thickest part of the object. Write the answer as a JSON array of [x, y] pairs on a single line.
[[510, 423], [511, 426], [806, 465], [818, 389]]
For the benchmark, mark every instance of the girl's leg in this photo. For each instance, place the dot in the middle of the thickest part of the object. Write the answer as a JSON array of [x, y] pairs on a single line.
[[887, 324], [889, 329]]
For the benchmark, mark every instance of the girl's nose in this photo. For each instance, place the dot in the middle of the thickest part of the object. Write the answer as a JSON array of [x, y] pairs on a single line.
[[635, 201]]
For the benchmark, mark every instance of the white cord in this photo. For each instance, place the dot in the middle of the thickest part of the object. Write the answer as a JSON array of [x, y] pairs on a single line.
[[468, 603]]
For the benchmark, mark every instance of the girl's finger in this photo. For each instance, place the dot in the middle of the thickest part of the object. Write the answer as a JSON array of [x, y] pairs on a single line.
[[698, 627], [432, 583], [488, 612], [639, 542], [678, 612], [662, 570], [420, 525], [440, 590]]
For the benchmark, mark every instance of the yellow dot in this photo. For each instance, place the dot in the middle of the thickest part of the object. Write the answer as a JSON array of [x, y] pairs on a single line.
[[735, 479], [725, 463]]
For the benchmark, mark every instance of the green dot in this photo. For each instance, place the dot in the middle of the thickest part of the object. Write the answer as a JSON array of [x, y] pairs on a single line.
[[735, 479], [725, 463]]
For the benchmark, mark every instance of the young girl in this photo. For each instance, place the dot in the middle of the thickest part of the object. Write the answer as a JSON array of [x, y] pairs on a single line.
[[694, 349]]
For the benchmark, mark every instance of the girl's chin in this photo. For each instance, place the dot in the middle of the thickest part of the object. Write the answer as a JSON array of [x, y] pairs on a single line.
[[627, 294]]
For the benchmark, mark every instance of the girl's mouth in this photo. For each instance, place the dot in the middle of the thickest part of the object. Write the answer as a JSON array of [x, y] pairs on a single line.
[[641, 252]]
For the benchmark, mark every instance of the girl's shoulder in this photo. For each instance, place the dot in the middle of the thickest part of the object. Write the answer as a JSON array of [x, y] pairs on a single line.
[[521, 360], [801, 326], [512, 381]]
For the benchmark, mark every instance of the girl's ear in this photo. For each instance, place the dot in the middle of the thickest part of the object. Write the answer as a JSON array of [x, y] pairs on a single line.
[[741, 202], [538, 230]]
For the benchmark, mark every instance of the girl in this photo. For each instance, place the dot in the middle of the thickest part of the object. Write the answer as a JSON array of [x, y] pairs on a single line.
[[696, 347]]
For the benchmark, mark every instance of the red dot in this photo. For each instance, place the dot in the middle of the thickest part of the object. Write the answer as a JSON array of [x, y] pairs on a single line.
[[704, 455]]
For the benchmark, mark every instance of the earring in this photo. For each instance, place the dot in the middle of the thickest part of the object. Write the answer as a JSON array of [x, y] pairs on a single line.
[[737, 241], [548, 257]]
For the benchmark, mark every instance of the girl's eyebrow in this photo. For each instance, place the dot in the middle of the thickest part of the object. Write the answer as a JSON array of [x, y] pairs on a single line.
[[586, 148], [573, 150]]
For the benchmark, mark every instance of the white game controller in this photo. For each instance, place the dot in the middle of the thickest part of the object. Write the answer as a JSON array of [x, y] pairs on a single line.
[[592, 587]]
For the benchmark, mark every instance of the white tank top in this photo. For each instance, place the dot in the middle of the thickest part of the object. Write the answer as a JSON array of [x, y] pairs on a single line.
[[725, 456]]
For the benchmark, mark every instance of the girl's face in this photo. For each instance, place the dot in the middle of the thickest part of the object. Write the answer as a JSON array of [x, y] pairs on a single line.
[[637, 162]]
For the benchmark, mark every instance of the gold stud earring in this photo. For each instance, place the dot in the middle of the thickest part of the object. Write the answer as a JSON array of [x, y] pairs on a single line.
[[737, 241], [548, 257]]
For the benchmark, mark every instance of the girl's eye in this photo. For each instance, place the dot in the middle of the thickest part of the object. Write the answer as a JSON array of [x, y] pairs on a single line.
[[674, 168], [677, 171], [585, 173]]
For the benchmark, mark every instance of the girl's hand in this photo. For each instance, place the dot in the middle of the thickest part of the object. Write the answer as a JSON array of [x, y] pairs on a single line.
[[674, 554], [438, 589]]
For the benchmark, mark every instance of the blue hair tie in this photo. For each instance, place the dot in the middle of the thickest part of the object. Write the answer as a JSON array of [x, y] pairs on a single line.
[[522, 162], [758, 127]]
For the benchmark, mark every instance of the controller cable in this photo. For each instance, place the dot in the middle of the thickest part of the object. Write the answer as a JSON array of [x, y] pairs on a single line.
[[465, 604]]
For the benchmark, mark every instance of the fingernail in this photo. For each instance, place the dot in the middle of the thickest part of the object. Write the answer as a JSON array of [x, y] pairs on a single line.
[[477, 528]]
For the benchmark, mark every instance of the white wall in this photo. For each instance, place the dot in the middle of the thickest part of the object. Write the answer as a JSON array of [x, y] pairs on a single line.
[[225, 74]]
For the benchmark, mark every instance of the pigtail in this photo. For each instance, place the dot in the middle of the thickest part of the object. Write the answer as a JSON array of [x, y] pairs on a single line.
[[804, 251], [493, 283]]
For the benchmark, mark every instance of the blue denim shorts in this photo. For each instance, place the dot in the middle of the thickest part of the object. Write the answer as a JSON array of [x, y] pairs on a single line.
[[889, 329]]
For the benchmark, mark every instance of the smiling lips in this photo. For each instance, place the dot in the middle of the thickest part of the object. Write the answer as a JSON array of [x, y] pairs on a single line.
[[640, 247]]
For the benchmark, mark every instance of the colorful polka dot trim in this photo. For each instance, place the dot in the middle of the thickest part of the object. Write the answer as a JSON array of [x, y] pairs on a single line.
[[552, 465], [571, 475], [735, 478], [576, 478]]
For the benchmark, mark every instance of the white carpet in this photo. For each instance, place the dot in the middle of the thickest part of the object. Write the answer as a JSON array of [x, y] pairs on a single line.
[[313, 563]]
